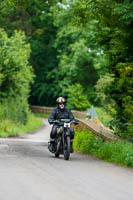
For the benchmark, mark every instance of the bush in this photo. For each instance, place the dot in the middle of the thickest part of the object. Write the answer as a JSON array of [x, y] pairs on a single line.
[[8, 128], [15, 110], [77, 100], [83, 141], [122, 128], [119, 152], [129, 159]]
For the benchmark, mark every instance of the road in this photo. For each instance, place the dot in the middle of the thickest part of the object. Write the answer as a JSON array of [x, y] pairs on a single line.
[[28, 171]]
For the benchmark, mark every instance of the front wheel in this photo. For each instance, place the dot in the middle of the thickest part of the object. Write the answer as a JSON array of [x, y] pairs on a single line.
[[67, 147]]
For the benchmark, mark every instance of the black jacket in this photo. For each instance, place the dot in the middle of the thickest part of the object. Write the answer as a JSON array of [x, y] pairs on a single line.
[[58, 113]]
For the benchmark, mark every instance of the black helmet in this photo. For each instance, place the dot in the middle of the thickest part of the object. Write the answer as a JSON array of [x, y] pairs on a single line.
[[60, 100]]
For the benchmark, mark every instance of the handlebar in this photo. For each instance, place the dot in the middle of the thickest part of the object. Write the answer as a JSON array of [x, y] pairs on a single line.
[[64, 121]]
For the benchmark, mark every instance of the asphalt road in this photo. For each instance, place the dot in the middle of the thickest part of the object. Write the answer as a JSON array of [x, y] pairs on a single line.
[[28, 171]]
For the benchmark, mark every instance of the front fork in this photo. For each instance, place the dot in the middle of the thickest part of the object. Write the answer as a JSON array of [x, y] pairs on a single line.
[[65, 133]]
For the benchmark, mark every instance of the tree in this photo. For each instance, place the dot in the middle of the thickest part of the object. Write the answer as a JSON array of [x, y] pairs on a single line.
[[115, 33], [15, 75], [34, 18], [80, 58], [77, 100]]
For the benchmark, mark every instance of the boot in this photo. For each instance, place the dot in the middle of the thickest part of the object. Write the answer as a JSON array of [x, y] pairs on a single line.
[[71, 150], [51, 146]]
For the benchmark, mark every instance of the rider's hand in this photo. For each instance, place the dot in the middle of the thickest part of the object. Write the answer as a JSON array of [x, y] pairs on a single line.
[[75, 121], [51, 121]]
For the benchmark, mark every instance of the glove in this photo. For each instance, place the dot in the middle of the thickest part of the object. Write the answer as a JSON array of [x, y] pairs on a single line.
[[75, 121], [50, 121]]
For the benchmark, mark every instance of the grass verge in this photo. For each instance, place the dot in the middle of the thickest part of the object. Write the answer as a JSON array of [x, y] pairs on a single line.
[[8, 128], [43, 115], [118, 152]]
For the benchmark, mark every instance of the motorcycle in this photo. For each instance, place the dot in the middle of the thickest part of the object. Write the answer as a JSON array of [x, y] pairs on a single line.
[[63, 139]]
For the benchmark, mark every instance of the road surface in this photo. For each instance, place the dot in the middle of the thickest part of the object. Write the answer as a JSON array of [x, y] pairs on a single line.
[[28, 171]]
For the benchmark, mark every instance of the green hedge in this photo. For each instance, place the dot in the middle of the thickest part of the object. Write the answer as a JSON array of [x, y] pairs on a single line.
[[119, 152]]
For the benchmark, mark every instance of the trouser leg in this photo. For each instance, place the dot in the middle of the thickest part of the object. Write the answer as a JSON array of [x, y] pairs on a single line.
[[71, 134], [53, 133], [52, 139], [72, 137]]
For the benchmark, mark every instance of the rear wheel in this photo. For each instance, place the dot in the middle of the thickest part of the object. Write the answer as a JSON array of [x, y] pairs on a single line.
[[67, 147]]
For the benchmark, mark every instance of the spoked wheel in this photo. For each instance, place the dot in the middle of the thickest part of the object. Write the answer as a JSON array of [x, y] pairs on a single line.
[[57, 151], [67, 147]]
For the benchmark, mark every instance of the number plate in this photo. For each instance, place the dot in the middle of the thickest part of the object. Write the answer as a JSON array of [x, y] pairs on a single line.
[[66, 124]]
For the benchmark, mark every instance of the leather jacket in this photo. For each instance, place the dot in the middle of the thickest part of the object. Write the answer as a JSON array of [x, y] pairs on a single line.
[[58, 113]]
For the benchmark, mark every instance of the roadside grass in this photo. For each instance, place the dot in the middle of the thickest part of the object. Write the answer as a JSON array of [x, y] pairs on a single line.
[[119, 152], [43, 115], [8, 128]]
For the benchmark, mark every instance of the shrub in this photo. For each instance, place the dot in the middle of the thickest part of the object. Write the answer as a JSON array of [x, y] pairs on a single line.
[[129, 159], [83, 141], [119, 152], [15, 110], [8, 128]]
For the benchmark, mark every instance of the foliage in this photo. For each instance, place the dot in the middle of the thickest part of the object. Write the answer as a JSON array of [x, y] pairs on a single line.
[[123, 95], [105, 100], [83, 141], [8, 128], [16, 75], [104, 116], [119, 152], [115, 33], [15, 110], [34, 18], [80, 58], [56, 47], [77, 100], [74, 42], [102, 86]]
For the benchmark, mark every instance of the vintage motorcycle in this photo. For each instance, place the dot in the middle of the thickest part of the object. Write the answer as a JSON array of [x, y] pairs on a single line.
[[63, 139]]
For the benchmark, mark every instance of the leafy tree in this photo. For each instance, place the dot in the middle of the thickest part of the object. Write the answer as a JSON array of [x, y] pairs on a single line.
[[35, 19], [122, 92], [80, 58], [115, 33], [16, 75], [76, 98], [56, 47]]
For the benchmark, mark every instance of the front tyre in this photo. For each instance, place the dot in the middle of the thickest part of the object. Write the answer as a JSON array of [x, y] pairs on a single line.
[[67, 147]]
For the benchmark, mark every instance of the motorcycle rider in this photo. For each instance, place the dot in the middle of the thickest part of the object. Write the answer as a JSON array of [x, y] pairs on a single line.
[[60, 112]]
